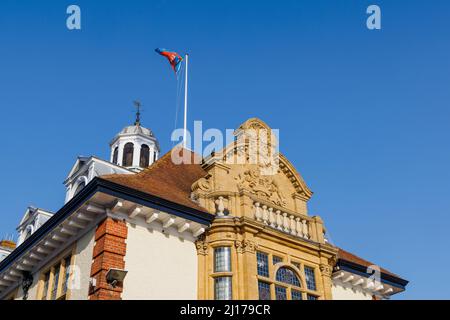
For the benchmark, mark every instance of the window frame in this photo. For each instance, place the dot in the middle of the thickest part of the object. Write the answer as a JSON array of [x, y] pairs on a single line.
[[80, 186], [115, 158], [314, 274], [268, 284], [128, 149], [144, 156], [61, 263], [295, 274], [268, 265], [286, 292], [277, 259], [297, 266], [230, 288], [215, 275], [228, 264]]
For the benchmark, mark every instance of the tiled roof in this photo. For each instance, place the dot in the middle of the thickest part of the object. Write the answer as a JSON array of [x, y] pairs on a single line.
[[173, 182], [8, 244], [166, 180], [350, 257]]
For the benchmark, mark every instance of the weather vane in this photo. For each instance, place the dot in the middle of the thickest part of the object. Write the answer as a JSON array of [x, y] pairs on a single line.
[[138, 106]]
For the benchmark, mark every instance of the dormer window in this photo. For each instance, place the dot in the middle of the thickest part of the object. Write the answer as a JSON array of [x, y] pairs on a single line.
[[79, 188], [33, 219]]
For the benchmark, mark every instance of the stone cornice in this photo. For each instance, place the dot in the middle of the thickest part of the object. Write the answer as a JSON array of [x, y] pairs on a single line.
[[245, 224]]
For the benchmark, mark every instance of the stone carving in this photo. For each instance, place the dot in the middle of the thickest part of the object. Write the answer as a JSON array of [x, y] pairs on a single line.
[[326, 270], [202, 184], [202, 247], [245, 246], [220, 207], [239, 246], [265, 187], [256, 125]]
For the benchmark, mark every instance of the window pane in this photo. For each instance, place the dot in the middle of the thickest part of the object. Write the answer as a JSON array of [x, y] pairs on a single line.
[[45, 290], [310, 278], [262, 264], [222, 259], [144, 160], [79, 188], [128, 152], [280, 293], [264, 290], [116, 155], [296, 295], [55, 282], [310, 297], [66, 275], [222, 288], [288, 276], [276, 260]]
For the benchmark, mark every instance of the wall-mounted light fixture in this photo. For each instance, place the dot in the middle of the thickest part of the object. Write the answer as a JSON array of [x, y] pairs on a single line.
[[115, 276], [27, 282]]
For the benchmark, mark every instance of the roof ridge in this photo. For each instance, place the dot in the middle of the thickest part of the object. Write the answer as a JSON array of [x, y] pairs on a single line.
[[358, 260]]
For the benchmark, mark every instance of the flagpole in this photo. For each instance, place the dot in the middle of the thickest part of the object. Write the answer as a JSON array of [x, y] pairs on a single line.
[[185, 101]]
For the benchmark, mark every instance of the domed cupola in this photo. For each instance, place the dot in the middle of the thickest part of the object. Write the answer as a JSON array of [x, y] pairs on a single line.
[[135, 147]]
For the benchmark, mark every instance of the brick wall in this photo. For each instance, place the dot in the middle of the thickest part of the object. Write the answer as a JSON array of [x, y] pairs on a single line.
[[109, 252]]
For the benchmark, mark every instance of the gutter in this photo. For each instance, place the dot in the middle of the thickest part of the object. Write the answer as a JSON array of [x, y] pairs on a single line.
[[362, 271], [113, 189]]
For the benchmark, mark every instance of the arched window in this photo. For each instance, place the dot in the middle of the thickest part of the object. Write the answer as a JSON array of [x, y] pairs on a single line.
[[128, 152], [287, 276], [29, 231], [286, 282], [145, 156], [116, 155], [79, 188]]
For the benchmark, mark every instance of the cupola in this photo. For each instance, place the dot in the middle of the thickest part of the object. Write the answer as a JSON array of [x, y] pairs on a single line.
[[135, 147]]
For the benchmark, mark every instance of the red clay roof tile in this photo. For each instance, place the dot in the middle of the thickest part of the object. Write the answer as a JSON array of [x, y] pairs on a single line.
[[173, 182], [166, 180], [347, 256]]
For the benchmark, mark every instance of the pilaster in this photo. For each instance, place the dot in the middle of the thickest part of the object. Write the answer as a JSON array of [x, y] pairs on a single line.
[[109, 252]]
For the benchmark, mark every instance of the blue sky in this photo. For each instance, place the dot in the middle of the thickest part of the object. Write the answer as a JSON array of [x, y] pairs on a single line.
[[363, 115]]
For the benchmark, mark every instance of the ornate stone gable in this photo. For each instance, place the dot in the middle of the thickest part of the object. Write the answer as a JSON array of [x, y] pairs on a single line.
[[234, 182]]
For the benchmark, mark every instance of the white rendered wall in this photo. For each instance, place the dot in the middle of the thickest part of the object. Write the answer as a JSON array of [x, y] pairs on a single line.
[[80, 275], [82, 272], [32, 292], [341, 291], [160, 266]]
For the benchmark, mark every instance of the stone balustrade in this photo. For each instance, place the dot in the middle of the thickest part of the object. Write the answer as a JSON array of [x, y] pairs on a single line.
[[282, 221]]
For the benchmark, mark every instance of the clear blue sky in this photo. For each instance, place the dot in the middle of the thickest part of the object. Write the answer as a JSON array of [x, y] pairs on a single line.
[[363, 115]]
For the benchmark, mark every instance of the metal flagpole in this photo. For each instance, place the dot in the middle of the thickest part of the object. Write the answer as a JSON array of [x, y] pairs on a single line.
[[185, 102]]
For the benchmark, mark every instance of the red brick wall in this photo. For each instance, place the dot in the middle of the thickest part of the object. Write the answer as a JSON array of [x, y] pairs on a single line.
[[109, 252]]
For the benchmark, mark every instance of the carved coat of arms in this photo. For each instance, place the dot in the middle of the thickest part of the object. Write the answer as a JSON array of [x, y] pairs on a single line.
[[265, 187]]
